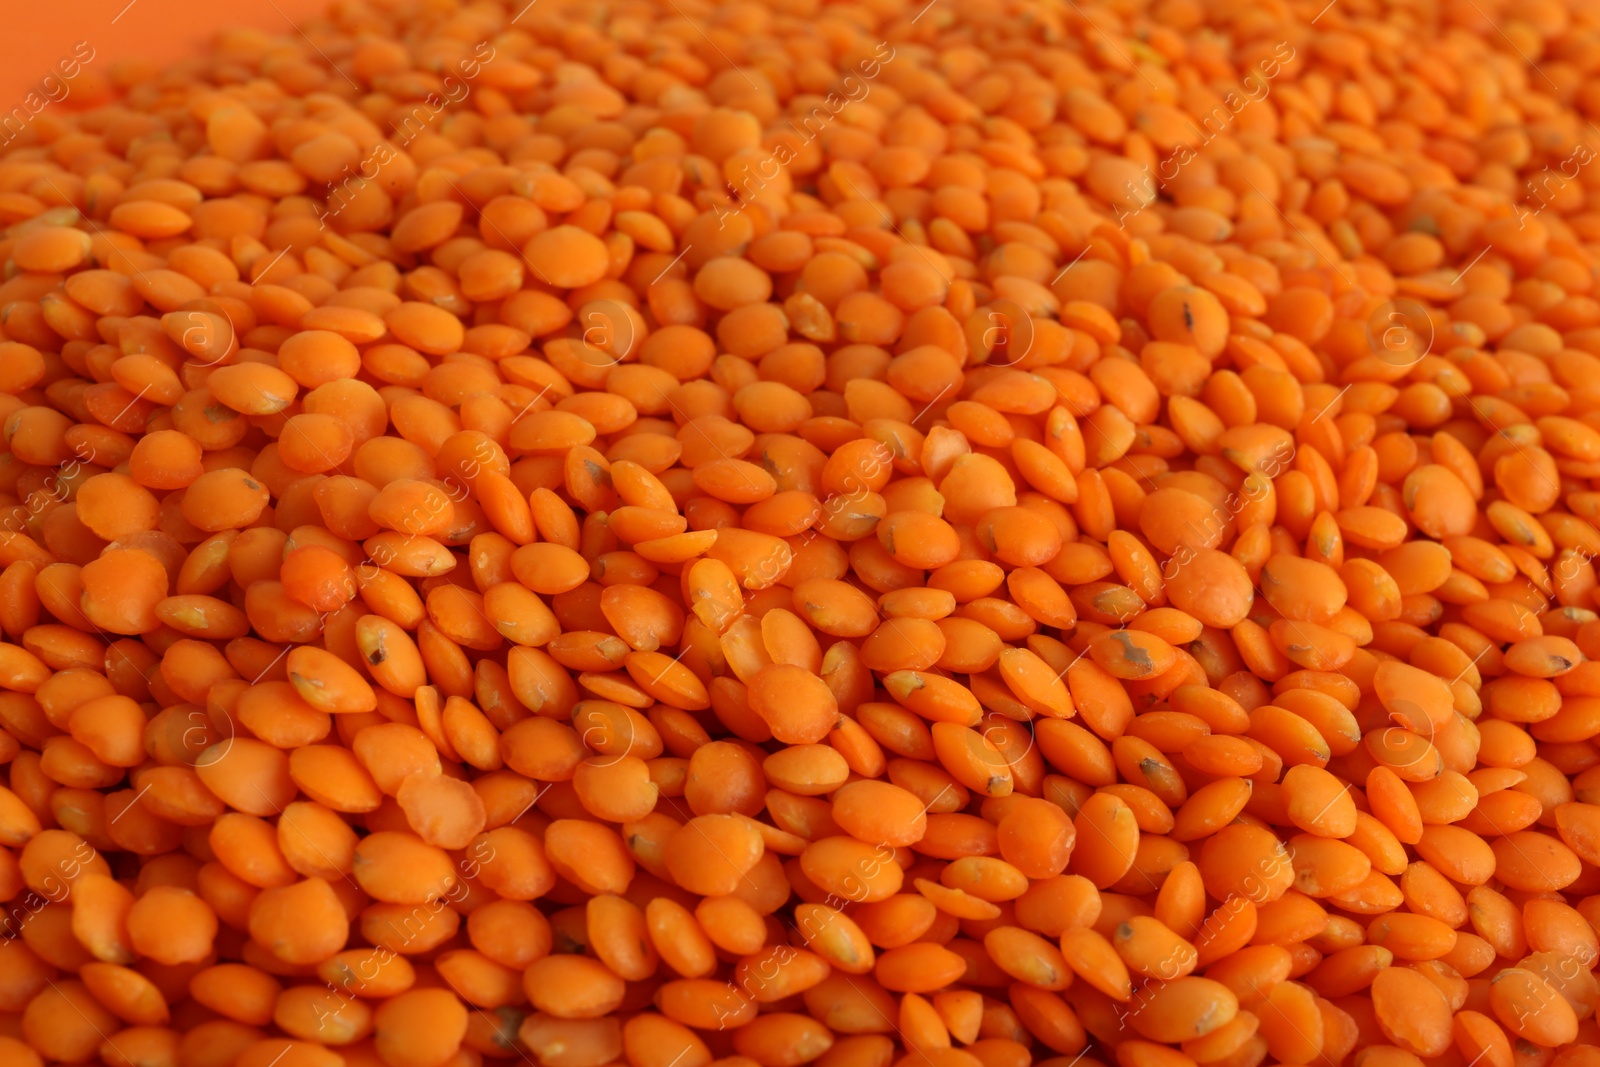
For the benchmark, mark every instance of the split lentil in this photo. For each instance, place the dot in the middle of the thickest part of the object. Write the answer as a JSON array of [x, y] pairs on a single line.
[[744, 533]]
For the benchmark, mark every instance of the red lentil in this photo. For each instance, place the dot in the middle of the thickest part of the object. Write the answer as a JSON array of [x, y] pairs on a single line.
[[769, 534]]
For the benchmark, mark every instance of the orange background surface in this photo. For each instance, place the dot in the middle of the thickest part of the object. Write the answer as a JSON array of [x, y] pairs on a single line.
[[38, 34]]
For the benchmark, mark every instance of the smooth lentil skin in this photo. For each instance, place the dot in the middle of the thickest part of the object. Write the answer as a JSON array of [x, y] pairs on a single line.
[[769, 534]]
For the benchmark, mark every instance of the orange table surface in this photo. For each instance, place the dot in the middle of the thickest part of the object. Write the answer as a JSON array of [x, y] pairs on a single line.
[[39, 35]]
